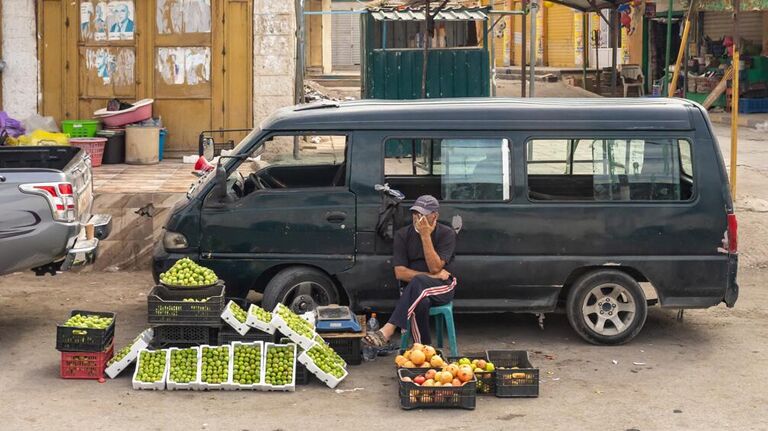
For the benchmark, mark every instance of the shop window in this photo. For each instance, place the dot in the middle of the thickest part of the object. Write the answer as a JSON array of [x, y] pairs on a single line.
[[609, 169], [449, 169]]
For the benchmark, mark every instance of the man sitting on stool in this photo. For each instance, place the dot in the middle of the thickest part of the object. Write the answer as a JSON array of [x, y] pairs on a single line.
[[422, 251]]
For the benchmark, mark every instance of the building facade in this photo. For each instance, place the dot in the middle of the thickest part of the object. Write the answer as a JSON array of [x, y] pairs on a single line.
[[208, 64]]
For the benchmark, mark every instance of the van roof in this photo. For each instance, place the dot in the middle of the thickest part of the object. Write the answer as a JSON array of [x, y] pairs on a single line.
[[487, 114]]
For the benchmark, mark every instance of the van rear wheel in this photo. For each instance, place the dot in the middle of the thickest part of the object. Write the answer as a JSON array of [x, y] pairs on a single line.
[[607, 307], [301, 289]]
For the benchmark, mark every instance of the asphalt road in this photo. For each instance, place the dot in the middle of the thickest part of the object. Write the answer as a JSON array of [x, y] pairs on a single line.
[[707, 372]]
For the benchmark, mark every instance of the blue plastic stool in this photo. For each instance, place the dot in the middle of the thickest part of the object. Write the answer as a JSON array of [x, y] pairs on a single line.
[[443, 315]]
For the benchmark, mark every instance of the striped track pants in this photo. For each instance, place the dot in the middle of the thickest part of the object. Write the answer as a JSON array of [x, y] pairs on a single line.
[[416, 299]]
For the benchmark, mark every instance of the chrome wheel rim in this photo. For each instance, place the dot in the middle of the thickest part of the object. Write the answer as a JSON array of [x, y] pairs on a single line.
[[609, 309], [305, 296]]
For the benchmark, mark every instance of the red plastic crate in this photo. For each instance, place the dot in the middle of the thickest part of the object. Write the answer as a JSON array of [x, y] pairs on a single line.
[[85, 365]]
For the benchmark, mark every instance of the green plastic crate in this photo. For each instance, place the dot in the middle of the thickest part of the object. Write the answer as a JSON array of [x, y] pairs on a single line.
[[80, 128]]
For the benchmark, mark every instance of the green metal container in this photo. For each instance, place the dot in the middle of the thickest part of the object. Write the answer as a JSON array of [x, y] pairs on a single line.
[[395, 72]]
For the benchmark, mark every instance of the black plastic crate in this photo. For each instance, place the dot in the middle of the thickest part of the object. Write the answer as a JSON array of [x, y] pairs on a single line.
[[486, 380], [350, 349], [228, 335], [413, 396], [71, 339], [515, 376], [184, 336], [166, 306]]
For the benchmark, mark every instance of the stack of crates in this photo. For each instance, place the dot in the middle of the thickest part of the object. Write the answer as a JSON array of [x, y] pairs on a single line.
[[85, 351], [185, 317]]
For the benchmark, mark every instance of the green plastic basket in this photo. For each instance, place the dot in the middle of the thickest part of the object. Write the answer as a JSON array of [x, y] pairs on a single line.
[[80, 128]]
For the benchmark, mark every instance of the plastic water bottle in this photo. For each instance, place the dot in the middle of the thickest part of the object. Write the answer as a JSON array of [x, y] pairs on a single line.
[[370, 352]]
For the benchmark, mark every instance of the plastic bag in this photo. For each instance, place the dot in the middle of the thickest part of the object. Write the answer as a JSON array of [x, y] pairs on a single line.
[[43, 138], [38, 122], [10, 126]]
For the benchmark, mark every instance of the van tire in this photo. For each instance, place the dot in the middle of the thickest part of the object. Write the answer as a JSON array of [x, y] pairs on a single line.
[[591, 298], [284, 286]]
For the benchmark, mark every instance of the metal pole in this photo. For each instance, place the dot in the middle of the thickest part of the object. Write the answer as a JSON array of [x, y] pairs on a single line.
[[735, 99], [584, 47], [523, 32], [616, 35], [299, 78], [490, 34], [534, 49], [669, 48], [425, 37], [683, 50]]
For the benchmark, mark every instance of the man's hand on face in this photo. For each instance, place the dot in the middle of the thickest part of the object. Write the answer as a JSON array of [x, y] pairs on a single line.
[[425, 225]]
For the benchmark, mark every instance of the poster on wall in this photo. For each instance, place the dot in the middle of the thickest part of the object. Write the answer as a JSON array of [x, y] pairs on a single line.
[[197, 16], [86, 20], [189, 66], [198, 63], [120, 20], [93, 21], [170, 63], [183, 16], [102, 62]]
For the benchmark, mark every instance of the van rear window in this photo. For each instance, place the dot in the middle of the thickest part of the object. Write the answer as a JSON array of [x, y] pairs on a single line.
[[609, 169]]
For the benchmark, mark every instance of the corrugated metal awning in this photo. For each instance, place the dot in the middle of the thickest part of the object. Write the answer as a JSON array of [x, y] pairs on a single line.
[[450, 14]]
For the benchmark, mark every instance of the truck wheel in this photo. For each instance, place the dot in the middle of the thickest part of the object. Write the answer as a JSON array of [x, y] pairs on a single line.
[[607, 307], [301, 289]]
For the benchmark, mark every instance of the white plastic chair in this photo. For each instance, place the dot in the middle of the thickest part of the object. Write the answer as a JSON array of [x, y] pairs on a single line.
[[632, 76]]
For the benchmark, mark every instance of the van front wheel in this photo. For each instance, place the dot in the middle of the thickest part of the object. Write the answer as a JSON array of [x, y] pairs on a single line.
[[607, 307], [301, 289]]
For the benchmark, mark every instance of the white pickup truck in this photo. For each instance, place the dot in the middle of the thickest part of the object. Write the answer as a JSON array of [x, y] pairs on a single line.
[[46, 195]]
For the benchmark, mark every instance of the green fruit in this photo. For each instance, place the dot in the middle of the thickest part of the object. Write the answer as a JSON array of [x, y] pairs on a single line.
[[214, 368], [279, 365], [321, 344], [325, 361], [120, 354], [183, 368], [151, 366], [295, 322], [185, 272], [89, 321], [239, 313], [260, 314], [246, 365]]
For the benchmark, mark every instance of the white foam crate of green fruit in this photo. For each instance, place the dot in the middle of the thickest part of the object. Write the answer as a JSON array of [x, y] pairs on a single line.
[[245, 367], [254, 321], [218, 361], [230, 315], [328, 378], [289, 385], [154, 379], [336, 357], [182, 369], [128, 354], [282, 325]]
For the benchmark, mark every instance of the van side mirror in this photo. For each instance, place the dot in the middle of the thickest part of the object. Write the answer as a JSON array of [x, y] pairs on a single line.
[[220, 192]]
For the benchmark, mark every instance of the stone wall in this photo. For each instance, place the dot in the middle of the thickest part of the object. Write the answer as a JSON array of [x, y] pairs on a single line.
[[274, 56], [20, 77]]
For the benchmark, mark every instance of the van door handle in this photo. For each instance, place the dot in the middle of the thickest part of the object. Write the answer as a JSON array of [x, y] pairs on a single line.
[[335, 216]]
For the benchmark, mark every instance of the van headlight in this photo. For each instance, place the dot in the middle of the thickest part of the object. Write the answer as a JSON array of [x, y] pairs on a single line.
[[174, 241]]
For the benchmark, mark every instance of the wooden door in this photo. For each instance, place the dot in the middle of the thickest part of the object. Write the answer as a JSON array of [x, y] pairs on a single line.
[[193, 57]]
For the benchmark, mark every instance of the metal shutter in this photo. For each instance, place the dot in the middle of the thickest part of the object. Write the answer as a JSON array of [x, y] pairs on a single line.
[[719, 24], [346, 36]]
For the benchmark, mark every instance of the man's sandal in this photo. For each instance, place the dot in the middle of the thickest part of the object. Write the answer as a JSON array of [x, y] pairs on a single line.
[[376, 339]]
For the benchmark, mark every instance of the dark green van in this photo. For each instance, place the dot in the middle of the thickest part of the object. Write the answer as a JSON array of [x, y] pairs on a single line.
[[601, 206]]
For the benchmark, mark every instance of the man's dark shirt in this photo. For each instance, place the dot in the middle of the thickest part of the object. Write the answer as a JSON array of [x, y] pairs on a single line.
[[409, 252]]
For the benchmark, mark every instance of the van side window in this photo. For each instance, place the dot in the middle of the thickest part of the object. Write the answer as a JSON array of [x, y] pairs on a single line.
[[449, 169], [320, 162], [609, 169]]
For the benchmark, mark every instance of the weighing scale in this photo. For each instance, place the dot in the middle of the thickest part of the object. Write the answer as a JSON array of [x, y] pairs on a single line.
[[336, 318]]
